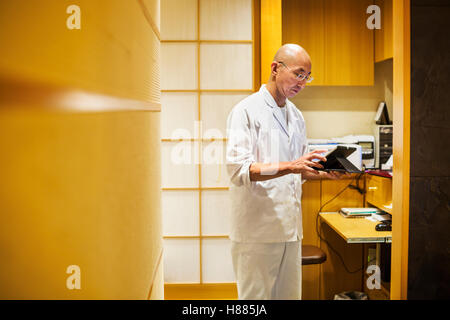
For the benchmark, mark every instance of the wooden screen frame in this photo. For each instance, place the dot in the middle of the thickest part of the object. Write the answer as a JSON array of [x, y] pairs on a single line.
[[255, 79]]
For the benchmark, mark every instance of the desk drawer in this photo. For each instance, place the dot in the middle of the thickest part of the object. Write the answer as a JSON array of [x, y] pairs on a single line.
[[379, 192]]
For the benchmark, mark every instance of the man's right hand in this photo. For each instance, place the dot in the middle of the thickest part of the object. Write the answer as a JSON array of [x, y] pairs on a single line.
[[305, 164]]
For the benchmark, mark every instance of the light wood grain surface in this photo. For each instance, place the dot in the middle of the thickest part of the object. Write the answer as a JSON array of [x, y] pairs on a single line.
[[355, 230]]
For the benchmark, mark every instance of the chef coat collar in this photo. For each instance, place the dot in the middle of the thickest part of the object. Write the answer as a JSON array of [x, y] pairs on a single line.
[[270, 101]]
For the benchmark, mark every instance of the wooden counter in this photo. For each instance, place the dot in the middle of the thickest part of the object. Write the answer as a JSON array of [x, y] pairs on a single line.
[[355, 230]]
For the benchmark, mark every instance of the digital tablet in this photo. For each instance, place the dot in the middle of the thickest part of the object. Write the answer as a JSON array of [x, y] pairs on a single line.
[[337, 160]]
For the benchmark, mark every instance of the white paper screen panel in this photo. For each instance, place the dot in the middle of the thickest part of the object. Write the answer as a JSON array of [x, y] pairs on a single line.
[[217, 263], [179, 164], [181, 260], [214, 171], [178, 66], [178, 19], [179, 113], [226, 19], [216, 212], [226, 66], [215, 108], [180, 210]]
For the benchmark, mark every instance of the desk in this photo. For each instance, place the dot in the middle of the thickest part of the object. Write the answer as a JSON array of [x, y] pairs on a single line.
[[362, 231], [349, 241], [355, 230]]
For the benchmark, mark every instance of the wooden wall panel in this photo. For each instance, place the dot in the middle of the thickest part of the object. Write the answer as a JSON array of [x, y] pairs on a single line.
[[82, 173], [348, 43], [153, 9], [401, 149], [334, 276], [334, 32], [310, 208], [271, 34], [157, 290], [348, 198], [107, 55], [304, 24], [82, 190], [383, 37], [205, 291]]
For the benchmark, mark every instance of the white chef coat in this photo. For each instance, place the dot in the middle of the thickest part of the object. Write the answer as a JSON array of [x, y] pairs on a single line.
[[284, 114], [264, 211]]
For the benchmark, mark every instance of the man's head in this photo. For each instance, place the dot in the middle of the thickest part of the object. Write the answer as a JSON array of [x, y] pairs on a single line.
[[289, 68]]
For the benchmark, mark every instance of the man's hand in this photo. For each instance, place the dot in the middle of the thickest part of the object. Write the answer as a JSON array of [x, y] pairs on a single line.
[[306, 164], [334, 175]]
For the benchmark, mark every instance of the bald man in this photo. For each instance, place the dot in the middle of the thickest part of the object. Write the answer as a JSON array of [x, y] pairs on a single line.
[[267, 161]]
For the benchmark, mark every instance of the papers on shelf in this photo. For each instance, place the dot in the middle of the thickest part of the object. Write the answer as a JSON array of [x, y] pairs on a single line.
[[379, 217], [358, 212]]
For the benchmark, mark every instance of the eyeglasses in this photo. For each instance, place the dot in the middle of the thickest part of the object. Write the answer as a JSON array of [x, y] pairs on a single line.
[[299, 76]]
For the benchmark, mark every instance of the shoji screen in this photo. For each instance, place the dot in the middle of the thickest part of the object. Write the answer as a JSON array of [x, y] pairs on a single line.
[[207, 52]]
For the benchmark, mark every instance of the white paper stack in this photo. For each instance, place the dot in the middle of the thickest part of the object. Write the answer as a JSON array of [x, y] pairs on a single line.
[[359, 212]]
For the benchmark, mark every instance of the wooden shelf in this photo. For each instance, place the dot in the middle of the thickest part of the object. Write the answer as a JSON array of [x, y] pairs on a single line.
[[355, 230]]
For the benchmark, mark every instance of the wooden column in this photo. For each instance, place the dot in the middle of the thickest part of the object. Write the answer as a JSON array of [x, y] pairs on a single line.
[[401, 150], [271, 34]]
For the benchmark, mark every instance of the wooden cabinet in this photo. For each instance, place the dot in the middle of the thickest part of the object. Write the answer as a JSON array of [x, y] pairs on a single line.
[[348, 43], [379, 192], [383, 37], [303, 23], [335, 34]]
